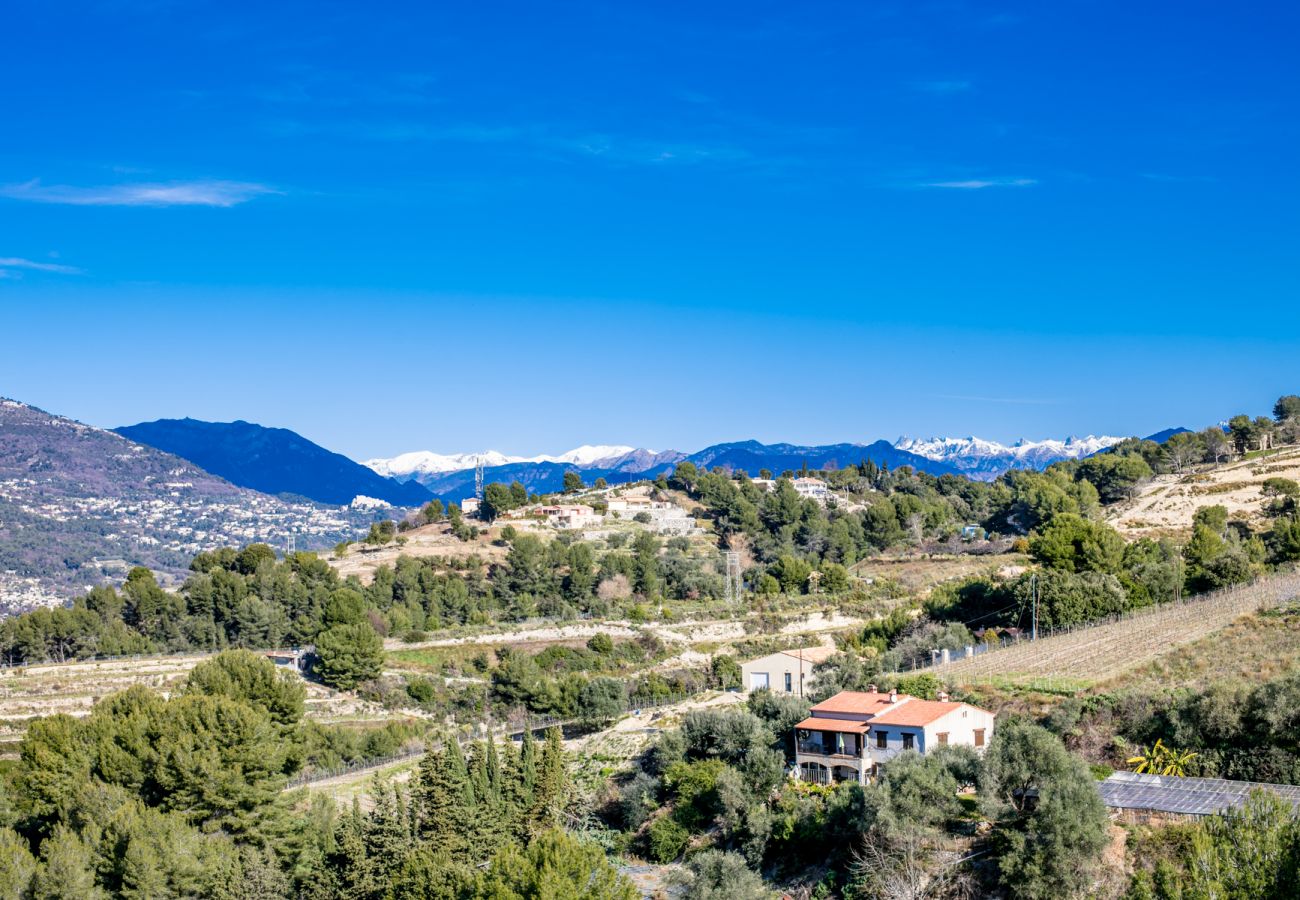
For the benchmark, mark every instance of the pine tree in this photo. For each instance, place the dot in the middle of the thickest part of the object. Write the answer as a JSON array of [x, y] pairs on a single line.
[[17, 865], [67, 872]]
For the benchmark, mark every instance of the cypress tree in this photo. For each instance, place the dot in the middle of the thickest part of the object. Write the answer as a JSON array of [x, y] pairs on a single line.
[[549, 796], [446, 799], [388, 836], [527, 769]]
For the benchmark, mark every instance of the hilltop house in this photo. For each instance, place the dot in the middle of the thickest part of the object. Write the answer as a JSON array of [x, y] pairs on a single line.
[[812, 488], [571, 516], [784, 672], [848, 736], [631, 503], [660, 516]]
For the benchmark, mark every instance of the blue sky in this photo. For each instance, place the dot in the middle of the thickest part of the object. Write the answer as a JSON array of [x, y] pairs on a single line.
[[528, 226]]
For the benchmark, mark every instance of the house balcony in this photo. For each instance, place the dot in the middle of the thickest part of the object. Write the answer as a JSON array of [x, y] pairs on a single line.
[[831, 768], [814, 747], [825, 764]]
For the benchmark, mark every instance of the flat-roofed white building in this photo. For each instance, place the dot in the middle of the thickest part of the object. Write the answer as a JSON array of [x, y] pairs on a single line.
[[784, 672], [812, 488]]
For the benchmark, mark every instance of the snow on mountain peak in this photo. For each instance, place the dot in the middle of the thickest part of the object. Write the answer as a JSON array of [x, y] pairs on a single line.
[[426, 462], [588, 454], [978, 457]]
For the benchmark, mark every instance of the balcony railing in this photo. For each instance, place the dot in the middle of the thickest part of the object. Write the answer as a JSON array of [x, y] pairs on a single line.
[[817, 748]]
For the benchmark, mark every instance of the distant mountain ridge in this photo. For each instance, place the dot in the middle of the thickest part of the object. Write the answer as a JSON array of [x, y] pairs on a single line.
[[752, 456], [273, 461], [424, 464], [636, 465], [986, 460], [451, 476]]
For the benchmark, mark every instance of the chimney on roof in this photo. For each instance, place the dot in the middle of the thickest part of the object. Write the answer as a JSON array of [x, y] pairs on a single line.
[[871, 688], [943, 696], [893, 695]]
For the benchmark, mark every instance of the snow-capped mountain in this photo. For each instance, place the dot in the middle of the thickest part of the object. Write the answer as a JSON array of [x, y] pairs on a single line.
[[423, 464], [983, 459]]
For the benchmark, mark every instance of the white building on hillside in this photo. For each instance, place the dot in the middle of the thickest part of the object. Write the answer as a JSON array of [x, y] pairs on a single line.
[[812, 488], [571, 516], [784, 672]]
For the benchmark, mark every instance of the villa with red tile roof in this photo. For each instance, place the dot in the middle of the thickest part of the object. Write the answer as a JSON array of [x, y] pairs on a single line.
[[848, 736]]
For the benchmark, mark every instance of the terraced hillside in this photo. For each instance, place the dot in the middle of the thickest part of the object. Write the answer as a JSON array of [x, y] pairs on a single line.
[[1167, 503], [1080, 657], [29, 692]]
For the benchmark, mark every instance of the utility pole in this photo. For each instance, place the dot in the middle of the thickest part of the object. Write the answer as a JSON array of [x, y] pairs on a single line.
[[1033, 588]]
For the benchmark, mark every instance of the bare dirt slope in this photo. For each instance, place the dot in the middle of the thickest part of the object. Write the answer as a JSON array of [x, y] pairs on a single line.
[[812, 623], [918, 574], [1167, 503], [429, 540]]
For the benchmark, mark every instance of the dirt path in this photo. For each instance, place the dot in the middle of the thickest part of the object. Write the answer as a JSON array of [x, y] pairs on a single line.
[[624, 739], [632, 733], [674, 633]]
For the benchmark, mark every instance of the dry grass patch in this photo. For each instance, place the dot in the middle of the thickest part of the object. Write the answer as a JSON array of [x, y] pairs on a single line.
[[920, 574], [1255, 648]]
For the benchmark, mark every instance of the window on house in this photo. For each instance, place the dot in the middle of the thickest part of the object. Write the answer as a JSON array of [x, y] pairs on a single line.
[[909, 741], [788, 684], [942, 738], [882, 739], [979, 737]]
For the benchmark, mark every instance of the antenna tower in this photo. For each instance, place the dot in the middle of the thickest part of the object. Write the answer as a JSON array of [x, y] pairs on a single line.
[[478, 478], [289, 545], [733, 576]]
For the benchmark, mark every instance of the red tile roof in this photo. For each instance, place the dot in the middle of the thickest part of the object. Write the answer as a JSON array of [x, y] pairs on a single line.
[[879, 710], [916, 713], [855, 702], [842, 725]]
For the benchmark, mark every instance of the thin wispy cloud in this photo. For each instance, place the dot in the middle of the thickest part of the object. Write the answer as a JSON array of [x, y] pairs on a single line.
[[536, 139], [1176, 179], [204, 192], [1016, 401], [979, 184], [15, 262], [941, 87]]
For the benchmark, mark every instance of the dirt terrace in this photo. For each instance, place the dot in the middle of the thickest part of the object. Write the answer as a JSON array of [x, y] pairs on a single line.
[[1167, 503]]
